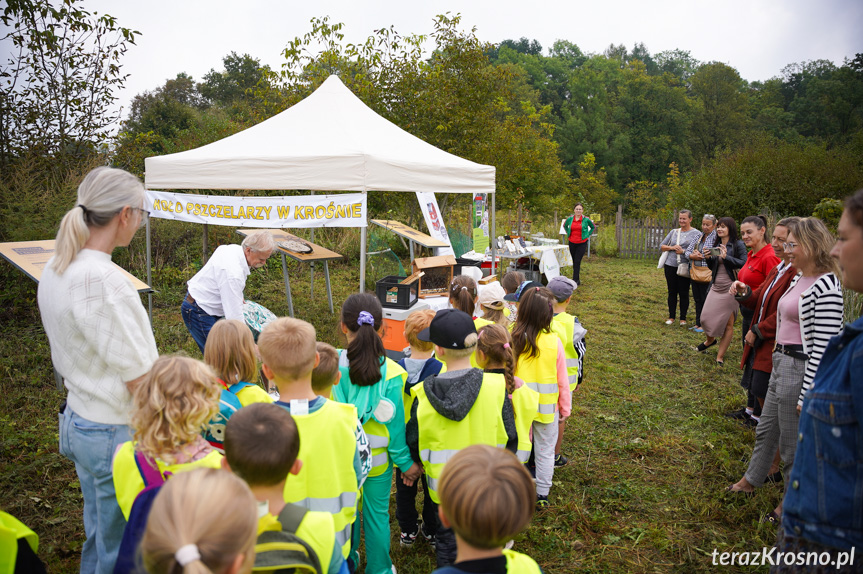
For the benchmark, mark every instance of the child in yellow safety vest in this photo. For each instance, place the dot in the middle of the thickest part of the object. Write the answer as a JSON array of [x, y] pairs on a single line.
[[261, 447], [373, 384], [455, 409], [419, 365], [571, 335], [496, 359], [486, 498], [201, 521], [334, 449], [540, 362], [173, 404]]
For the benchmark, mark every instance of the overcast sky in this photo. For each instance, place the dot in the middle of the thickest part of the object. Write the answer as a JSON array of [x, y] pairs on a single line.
[[757, 37]]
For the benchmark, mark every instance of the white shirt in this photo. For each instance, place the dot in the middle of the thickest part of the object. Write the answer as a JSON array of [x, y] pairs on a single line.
[[99, 334], [218, 287]]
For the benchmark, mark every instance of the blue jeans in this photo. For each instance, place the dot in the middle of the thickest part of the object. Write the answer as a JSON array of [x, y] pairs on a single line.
[[91, 447], [198, 322]]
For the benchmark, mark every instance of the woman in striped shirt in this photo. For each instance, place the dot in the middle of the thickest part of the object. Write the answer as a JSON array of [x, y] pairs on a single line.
[[808, 315]]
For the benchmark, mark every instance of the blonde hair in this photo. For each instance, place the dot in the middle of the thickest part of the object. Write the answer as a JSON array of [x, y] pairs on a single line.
[[173, 404], [184, 513], [814, 237], [324, 375], [287, 346], [230, 352], [496, 316], [416, 322], [487, 495], [103, 194]]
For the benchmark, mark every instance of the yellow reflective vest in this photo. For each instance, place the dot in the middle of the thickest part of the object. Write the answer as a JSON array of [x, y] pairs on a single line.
[[563, 326], [12, 530], [540, 374], [518, 563], [317, 530], [327, 482], [440, 438], [525, 407], [128, 482]]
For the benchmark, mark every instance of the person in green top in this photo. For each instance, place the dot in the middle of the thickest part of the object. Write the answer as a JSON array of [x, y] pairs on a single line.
[[578, 229]]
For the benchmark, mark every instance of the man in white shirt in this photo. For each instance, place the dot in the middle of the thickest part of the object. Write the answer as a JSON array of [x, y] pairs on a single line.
[[216, 291]]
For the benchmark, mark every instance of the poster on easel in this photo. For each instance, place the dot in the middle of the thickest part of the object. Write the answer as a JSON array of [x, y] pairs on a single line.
[[434, 221], [480, 222]]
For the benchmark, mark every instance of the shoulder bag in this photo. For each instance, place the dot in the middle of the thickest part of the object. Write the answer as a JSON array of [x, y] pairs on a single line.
[[682, 266], [700, 273]]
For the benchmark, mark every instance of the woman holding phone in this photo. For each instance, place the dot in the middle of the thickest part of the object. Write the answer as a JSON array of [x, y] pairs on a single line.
[[720, 308]]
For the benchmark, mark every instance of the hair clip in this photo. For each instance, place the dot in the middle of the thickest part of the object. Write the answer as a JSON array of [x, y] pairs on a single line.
[[365, 318], [187, 554], [506, 345]]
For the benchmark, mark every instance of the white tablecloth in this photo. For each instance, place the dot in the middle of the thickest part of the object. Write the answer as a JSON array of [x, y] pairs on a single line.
[[438, 303]]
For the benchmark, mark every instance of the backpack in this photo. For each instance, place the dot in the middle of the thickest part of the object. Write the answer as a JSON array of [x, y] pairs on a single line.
[[134, 531], [282, 551], [228, 405]]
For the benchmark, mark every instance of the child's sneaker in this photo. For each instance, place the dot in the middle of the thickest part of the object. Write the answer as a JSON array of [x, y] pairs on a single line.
[[430, 538], [560, 460], [408, 538], [542, 502]]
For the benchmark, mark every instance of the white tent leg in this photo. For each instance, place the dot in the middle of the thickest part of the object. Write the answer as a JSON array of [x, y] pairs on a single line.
[[363, 259], [493, 238], [149, 276]]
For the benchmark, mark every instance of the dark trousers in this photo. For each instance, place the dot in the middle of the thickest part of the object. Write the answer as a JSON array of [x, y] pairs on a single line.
[[746, 314], [577, 251], [678, 287], [406, 507], [699, 294]]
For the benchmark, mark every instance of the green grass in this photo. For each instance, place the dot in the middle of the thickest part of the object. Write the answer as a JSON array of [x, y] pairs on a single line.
[[650, 452]]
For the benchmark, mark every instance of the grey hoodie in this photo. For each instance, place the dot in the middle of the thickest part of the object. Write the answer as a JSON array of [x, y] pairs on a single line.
[[452, 395]]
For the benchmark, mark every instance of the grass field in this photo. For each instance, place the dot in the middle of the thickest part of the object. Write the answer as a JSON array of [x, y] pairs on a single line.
[[649, 448]]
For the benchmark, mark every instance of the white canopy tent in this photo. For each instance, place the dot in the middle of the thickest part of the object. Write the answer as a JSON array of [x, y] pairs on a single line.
[[330, 141]]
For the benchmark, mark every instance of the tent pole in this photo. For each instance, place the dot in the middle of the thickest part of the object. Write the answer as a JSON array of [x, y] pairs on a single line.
[[493, 238], [312, 264], [149, 276], [363, 255]]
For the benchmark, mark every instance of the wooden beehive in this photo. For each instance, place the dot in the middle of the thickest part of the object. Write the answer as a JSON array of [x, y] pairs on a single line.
[[437, 275]]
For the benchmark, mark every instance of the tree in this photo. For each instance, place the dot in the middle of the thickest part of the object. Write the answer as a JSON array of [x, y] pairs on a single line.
[[721, 113], [236, 83], [59, 82], [591, 184]]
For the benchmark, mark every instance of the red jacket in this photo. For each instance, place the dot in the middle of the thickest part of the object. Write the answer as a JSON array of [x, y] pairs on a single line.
[[765, 330]]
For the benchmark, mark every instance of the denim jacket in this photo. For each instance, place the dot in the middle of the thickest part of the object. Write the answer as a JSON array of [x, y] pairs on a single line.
[[824, 498]]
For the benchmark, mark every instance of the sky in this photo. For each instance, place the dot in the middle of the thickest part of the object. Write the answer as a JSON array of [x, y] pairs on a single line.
[[757, 37]]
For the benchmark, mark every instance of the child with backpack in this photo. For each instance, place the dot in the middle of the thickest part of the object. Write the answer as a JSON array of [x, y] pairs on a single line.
[[173, 404], [187, 532], [540, 362], [420, 364], [334, 449], [230, 352], [261, 447], [486, 497], [455, 409], [374, 385], [496, 359]]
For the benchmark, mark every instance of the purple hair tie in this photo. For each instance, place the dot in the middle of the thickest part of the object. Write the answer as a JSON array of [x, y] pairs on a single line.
[[365, 318]]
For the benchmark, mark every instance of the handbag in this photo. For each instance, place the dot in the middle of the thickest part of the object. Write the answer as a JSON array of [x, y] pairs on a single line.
[[662, 259], [700, 273], [682, 266]]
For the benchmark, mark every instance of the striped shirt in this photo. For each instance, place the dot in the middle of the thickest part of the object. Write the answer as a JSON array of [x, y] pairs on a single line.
[[821, 307], [709, 241]]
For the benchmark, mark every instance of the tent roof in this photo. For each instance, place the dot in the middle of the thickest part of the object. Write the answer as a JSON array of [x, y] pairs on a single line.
[[330, 141]]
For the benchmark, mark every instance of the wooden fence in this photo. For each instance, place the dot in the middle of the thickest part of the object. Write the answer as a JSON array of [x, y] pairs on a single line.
[[641, 238]]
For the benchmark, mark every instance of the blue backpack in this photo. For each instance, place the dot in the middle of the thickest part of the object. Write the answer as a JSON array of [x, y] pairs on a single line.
[[127, 558], [228, 405]]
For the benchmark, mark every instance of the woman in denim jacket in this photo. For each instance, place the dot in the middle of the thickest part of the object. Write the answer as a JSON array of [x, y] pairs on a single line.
[[823, 507]]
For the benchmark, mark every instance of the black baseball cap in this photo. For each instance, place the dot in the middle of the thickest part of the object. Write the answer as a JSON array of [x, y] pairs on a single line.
[[450, 329], [521, 288]]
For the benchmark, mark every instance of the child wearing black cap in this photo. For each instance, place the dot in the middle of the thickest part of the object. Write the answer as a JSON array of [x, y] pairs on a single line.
[[455, 409]]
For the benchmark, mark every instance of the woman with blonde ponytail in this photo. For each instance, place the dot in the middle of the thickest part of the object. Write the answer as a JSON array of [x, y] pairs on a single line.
[[101, 343], [186, 532]]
